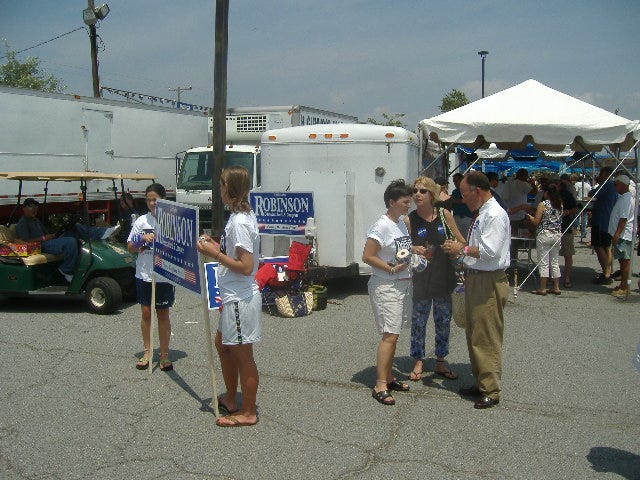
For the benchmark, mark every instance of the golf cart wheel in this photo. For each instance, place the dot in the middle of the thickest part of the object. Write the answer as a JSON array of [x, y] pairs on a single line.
[[103, 295]]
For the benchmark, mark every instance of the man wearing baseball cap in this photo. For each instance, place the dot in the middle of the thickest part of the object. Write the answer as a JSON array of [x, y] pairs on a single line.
[[30, 229], [621, 231]]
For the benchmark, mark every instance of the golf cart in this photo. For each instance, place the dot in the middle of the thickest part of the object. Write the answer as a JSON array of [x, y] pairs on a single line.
[[105, 270]]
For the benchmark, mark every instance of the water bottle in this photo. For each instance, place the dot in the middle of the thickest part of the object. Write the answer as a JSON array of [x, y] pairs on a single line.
[[418, 263]]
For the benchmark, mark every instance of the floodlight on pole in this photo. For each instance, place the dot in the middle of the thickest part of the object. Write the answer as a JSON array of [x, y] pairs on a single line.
[[483, 54], [90, 16], [102, 11]]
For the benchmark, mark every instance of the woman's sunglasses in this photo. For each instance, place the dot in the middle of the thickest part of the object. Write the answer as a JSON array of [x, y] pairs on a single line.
[[421, 190]]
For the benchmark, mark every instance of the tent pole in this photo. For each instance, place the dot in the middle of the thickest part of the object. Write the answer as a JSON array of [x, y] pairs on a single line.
[[444, 155], [619, 162], [471, 166], [634, 232], [581, 159]]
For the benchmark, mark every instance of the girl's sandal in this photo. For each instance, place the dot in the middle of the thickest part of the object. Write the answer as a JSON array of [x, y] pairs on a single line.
[[165, 364], [143, 362]]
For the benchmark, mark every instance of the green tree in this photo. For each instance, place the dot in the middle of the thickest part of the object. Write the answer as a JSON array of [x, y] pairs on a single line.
[[452, 100], [27, 74], [389, 119]]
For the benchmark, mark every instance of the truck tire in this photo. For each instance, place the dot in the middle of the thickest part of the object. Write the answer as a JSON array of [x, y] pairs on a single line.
[[103, 295]]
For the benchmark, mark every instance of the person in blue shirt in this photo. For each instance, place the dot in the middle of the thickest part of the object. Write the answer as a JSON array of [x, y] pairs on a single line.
[[604, 198]]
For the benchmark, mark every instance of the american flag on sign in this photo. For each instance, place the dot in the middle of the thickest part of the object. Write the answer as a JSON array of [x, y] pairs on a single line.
[[157, 260], [190, 276]]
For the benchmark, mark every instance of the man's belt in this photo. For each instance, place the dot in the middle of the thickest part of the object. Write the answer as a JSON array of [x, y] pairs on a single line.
[[473, 271]]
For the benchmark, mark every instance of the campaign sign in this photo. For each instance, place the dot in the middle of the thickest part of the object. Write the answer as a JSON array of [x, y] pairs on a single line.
[[213, 291], [282, 213], [175, 257]]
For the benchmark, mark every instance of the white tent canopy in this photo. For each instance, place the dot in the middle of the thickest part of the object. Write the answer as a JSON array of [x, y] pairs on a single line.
[[532, 113]]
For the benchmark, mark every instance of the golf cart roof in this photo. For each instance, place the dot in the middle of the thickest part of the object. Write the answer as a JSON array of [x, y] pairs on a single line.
[[73, 176]]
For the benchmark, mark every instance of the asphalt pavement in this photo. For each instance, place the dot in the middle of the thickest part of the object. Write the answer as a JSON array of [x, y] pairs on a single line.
[[72, 405]]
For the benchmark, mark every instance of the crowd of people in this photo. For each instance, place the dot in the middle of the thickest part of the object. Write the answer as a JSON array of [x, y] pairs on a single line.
[[419, 256], [563, 206], [480, 250]]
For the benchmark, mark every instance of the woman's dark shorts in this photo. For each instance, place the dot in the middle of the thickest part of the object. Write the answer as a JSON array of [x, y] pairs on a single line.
[[165, 293]]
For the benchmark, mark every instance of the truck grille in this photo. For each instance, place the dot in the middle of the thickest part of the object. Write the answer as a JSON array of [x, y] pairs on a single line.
[[251, 123]]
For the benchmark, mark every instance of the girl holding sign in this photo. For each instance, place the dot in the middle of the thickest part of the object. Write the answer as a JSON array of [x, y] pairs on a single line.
[[140, 241], [240, 315]]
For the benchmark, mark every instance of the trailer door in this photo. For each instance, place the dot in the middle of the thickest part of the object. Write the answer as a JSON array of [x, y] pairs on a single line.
[[97, 136]]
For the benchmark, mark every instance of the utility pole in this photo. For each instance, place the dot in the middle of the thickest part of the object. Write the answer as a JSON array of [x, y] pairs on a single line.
[[219, 112], [90, 16], [483, 54], [94, 54], [180, 89]]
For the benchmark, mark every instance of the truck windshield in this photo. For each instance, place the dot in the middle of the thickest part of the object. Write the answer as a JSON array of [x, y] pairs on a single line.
[[197, 168]]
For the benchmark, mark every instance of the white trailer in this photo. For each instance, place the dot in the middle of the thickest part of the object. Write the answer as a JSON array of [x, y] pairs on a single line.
[[55, 132], [347, 167], [245, 125], [244, 128]]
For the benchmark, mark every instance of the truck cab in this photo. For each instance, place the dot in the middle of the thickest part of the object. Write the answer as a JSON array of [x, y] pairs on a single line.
[[196, 171]]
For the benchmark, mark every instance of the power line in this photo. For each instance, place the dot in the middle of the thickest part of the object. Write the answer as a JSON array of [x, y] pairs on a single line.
[[46, 41]]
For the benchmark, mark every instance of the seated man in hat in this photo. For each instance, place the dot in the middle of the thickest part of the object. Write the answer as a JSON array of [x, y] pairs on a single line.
[[128, 215], [30, 229]]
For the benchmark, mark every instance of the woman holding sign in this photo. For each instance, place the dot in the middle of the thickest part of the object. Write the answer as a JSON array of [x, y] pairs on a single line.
[[240, 315], [140, 241]]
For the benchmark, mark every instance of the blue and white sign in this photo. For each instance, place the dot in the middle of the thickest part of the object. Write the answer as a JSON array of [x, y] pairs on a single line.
[[213, 291], [282, 213], [175, 257]]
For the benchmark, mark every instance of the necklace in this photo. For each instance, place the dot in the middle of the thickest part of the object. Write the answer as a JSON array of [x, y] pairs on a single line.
[[429, 216]]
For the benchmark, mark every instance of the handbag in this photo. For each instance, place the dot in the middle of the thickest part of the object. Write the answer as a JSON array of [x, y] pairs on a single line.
[[458, 309], [454, 275], [293, 305]]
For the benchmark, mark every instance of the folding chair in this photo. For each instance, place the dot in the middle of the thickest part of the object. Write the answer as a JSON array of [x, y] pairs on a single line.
[[281, 275]]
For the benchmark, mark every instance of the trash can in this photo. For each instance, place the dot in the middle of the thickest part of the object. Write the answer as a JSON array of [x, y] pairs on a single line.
[[319, 296]]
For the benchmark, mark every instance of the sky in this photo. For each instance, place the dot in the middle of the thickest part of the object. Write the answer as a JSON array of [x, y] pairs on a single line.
[[357, 57]]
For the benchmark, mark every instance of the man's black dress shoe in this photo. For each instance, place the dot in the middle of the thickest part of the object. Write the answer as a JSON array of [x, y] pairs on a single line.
[[485, 402], [471, 391]]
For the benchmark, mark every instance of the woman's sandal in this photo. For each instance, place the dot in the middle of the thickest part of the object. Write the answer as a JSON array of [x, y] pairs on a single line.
[[227, 409], [165, 364], [143, 362], [232, 421], [382, 396], [398, 386], [446, 372]]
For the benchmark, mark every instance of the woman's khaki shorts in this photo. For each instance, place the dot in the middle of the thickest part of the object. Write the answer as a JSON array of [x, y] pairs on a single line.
[[391, 301]]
